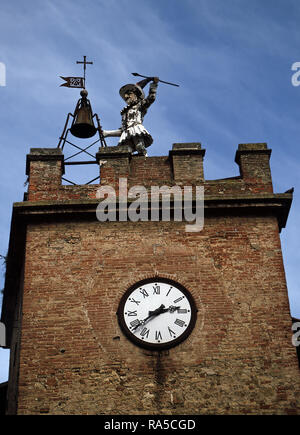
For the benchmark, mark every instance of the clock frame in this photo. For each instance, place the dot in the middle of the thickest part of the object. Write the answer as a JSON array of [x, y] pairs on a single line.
[[181, 321]]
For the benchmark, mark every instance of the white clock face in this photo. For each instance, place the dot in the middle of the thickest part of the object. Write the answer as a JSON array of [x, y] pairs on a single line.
[[157, 313]]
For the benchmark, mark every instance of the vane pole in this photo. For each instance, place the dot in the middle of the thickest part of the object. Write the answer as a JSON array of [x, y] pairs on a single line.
[[85, 63]]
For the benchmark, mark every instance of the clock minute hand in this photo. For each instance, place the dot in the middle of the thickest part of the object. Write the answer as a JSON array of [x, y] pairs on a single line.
[[156, 312]]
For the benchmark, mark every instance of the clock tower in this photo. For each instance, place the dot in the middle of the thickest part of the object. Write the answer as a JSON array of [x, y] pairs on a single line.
[[141, 316]]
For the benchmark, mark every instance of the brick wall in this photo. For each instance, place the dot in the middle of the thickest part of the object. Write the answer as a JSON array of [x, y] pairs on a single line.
[[73, 356], [183, 166]]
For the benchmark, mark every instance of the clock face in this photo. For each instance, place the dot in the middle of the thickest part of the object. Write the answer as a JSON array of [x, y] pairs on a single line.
[[157, 313]]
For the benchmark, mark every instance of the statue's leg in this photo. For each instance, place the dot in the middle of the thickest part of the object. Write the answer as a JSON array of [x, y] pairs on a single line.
[[140, 146]]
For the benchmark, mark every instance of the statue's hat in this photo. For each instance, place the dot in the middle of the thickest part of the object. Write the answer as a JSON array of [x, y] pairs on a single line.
[[137, 88]]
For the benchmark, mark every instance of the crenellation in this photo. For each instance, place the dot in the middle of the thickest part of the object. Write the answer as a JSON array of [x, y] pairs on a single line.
[[183, 167]]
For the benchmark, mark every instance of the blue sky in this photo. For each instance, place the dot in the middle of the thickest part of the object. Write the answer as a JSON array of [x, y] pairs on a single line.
[[231, 58]]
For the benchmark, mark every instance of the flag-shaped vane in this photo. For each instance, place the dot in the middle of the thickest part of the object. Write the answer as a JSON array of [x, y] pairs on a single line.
[[77, 82], [73, 82]]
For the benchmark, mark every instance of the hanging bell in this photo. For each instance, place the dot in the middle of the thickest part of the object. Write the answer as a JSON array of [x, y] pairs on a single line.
[[83, 125]]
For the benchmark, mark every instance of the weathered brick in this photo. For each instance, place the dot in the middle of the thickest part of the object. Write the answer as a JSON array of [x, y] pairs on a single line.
[[73, 356]]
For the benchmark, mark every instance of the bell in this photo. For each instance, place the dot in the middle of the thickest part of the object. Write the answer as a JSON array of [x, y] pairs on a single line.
[[83, 125]]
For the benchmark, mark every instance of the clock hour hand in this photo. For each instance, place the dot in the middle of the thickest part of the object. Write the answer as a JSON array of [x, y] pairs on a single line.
[[158, 311], [163, 310]]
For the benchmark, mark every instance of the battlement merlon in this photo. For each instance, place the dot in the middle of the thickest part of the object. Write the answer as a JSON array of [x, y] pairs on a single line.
[[253, 160]]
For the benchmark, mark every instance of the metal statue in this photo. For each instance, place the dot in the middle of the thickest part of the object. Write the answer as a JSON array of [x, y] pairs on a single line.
[[132, 132]]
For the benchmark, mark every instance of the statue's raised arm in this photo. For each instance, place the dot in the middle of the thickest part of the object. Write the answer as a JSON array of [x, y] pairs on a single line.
[[152, 92]]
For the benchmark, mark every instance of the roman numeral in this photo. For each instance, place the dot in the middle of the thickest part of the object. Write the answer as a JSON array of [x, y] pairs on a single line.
[[158, 335], [156, 289], [135, 323], [179, 322], [134, 301], [182, 311], [132, 313], [172, 333], [144, 292], [145, 332], [179, 299], [169, 291]]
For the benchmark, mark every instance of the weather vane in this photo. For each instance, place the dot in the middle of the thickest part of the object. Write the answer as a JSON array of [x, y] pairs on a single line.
[[82, 125], [77, 82]]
